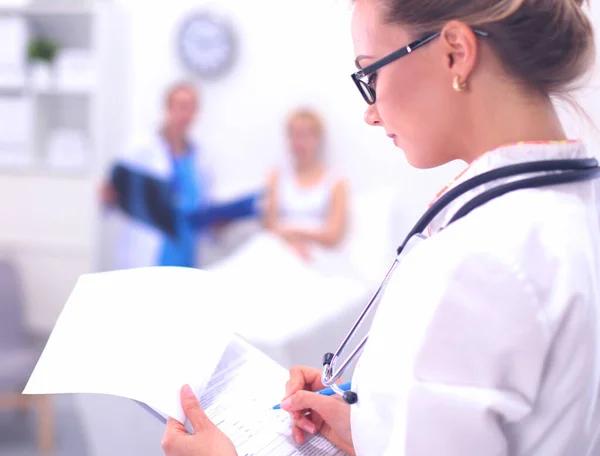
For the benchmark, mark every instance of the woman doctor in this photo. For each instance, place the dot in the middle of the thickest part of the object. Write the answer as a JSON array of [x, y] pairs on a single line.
[[487, 338]]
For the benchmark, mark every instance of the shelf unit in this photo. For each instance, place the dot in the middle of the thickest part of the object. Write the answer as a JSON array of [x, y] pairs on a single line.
[[56, 105], [50, 213]]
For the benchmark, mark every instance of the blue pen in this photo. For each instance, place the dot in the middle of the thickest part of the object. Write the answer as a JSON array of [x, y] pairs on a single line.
[[325, 392]]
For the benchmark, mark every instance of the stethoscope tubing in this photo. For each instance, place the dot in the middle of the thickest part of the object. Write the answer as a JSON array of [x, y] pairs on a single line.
[[563, 171]]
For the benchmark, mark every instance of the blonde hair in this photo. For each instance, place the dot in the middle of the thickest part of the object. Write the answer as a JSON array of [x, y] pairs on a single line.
[[306, 114], [548, 45]]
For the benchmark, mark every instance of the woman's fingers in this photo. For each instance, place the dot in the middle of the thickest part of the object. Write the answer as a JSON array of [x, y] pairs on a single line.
[[307, 400], [306, 425], [301, 378], [305, 422], [301, 426], [298, 435], [296, 382]]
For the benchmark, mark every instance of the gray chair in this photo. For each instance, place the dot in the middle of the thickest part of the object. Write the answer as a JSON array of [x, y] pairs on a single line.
[[18, 356]]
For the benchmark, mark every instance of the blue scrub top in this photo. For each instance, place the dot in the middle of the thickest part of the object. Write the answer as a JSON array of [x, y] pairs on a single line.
[[188, 194]]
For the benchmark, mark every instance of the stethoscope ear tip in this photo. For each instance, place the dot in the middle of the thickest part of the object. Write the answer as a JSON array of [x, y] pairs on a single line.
[[350, 397]]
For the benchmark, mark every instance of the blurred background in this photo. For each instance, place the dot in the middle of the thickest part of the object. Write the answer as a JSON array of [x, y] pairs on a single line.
[[81, 79]]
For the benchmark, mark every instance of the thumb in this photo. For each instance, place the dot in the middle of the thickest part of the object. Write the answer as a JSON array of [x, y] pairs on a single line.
[[307, 400], [192, 409]]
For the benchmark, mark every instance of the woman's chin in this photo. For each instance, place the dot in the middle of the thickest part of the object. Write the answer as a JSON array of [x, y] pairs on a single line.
[[422, 160]]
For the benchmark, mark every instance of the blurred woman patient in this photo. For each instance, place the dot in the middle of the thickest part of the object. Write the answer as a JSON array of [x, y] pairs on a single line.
[[305, 202]]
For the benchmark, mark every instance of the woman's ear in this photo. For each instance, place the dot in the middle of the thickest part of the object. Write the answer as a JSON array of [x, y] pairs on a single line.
[[460, 49]]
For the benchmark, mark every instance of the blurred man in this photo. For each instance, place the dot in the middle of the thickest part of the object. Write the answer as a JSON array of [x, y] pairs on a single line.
[[162, 187]]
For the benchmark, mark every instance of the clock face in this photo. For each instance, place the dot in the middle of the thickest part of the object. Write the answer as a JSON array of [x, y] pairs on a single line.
[[206, 45]]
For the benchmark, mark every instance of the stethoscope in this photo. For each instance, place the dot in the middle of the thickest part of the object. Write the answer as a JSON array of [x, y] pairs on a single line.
[[560, 172]]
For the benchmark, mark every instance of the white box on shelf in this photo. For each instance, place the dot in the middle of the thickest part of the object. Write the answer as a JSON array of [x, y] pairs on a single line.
[[12, 78], [75, 69], [16, 120], [13, 53], [16, 131], [15, 156], [66, 149], [40, 76]]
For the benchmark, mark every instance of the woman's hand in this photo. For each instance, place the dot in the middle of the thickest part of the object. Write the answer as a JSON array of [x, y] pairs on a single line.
[[300, 248], [208, 439], [286, 233], [312, 413], [295, 241]]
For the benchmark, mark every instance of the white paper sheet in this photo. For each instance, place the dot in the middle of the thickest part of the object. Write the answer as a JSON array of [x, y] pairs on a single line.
[[139, 333], [239, 399]]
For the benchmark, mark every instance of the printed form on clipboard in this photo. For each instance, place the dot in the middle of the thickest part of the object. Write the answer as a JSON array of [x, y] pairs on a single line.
[[239, 397], [132, 334]]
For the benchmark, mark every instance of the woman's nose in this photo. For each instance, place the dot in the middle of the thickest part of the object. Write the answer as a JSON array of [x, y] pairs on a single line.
[[372, 116]]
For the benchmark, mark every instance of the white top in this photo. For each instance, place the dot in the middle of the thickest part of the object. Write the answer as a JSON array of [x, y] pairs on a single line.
[[304, 207], [487, 341]]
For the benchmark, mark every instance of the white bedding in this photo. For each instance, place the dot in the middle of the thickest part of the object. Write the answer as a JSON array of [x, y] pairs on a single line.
[[286, 306], [295, 311]]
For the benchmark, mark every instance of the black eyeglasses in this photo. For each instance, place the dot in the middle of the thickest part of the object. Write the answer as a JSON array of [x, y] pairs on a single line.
[[365, 87]]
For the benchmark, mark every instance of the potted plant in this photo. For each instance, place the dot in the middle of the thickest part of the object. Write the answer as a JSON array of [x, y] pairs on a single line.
[[41, 54]]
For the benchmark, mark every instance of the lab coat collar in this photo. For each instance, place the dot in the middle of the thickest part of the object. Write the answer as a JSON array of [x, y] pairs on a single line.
[[151, 155], [503, 156]]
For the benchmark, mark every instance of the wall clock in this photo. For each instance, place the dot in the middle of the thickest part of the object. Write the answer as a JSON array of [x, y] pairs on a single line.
[[206, 44]]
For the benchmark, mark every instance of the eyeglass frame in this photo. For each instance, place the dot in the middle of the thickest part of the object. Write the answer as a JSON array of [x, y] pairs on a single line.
[[365, 89]]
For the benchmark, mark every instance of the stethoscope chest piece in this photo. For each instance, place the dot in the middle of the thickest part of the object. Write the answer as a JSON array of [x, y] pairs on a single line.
[[350, 397]]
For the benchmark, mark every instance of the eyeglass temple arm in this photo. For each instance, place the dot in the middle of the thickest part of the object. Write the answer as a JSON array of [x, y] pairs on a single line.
[[405, 50]]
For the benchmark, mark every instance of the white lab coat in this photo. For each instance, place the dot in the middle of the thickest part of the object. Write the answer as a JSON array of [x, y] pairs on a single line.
[[487, 341], [140, 245]]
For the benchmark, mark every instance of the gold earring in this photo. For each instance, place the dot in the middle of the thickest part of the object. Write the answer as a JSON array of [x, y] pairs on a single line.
[[459, 86]]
